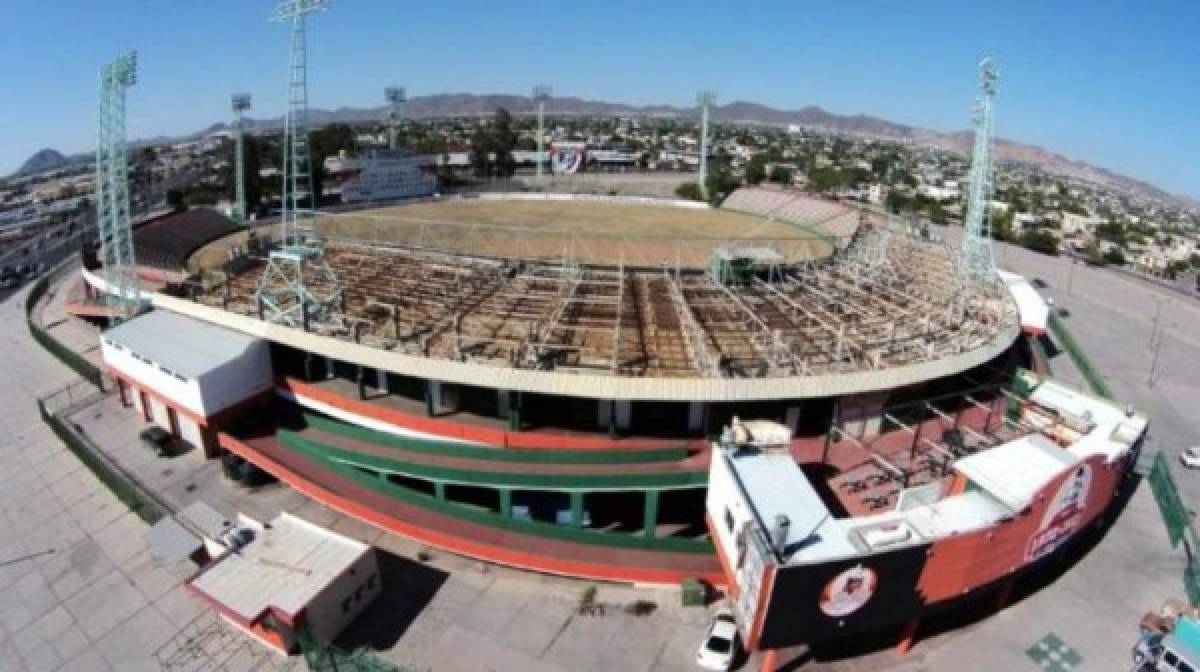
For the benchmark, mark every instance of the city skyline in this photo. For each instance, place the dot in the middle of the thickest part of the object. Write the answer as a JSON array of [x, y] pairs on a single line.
[[1120, 104]]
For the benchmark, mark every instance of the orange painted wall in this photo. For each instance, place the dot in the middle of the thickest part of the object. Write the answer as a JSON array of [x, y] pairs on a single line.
[[960, 564]]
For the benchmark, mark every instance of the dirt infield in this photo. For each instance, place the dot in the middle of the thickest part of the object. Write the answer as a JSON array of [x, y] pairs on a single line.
[[591, 232], [587, 232]]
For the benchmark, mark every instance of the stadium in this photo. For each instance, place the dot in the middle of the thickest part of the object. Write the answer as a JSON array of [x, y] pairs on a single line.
[[535, 379]]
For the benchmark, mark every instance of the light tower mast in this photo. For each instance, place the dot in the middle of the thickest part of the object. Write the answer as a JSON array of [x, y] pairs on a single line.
[[297, 286], [112, 188], [541, 94], [395, 96], [705, 100], [977, 259], [240, 103]]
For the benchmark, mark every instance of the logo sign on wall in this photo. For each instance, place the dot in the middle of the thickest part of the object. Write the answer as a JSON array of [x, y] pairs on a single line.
[[847, 592], [1064, 515]]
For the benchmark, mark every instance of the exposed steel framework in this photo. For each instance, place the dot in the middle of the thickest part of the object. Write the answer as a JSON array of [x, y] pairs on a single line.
[[112, 187]]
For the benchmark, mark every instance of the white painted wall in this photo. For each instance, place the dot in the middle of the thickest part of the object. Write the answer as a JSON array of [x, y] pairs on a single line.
[[159, 415], [325, 614], [238, 379], [190, 431], [184, 393]]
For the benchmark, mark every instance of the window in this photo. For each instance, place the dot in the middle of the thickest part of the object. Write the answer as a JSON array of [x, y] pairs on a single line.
[[346, 605], [729, 520]]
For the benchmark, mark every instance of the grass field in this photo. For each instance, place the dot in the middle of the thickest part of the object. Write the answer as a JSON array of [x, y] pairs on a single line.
[[590, 232]]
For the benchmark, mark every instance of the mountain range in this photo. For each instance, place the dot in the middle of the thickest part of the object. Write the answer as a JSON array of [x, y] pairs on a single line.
[[812, 117]]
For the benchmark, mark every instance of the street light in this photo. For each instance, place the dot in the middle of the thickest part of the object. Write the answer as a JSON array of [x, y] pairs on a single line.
[[395, 95], [705, 100], [541, 93]]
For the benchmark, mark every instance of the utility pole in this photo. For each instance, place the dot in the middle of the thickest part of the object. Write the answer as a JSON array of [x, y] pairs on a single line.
[[395, 96], [240, 103], [1156, 349], [541, 94], [119, 269], [705, 100]]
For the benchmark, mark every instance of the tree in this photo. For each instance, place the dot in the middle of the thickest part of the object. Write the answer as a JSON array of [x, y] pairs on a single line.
[[325, 142], [252, 157], [503, 141], [1002, 224], [481, 161], [1040, 241], [175, 200], [781, 174], [720, 182], [897, 202], [756, 169], [690, 191], [1115, 256]]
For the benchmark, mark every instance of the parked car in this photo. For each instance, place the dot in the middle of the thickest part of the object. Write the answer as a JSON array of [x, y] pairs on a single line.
[[159, 440], [720, 643], [1190, 457], [1147, 650]]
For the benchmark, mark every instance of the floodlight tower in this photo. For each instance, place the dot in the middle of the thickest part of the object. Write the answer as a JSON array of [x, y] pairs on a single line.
[[240, 103], [705, 100], [976, 258], [541, 94], [112, 188], [297, 286], [395, 95]]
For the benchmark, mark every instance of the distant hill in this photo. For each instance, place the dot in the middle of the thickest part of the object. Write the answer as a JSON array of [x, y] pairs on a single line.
[[475, 105], [42, 160], [470, 105]]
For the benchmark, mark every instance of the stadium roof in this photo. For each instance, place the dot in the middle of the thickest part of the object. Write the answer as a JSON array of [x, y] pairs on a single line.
[[168, 241]]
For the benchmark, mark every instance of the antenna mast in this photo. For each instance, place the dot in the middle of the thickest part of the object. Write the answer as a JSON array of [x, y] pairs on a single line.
[[977, 258], [112, 189], [297, 286]]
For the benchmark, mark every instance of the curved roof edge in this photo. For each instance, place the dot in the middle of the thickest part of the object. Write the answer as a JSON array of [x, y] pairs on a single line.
[[598, 386]]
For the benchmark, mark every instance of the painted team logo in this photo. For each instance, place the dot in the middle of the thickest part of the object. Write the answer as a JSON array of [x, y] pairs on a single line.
[[1063, 516], [848, 591]]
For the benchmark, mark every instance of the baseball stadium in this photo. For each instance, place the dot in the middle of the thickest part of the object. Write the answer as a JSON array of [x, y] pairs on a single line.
[[534, 379]]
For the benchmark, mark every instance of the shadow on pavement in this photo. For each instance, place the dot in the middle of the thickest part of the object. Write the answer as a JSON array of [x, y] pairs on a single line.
[[980, 605], [408, 587]]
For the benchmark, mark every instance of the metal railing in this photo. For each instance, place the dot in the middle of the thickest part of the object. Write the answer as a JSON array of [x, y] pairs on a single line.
[[55, 409], [79, 364], [1089, 371]]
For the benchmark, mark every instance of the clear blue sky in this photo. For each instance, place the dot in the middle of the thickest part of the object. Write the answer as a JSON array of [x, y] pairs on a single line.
[[1111, 83]]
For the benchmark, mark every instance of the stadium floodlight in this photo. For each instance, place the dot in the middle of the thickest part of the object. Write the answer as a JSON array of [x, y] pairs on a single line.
[[119, 268], [976, 256], [290, 10], [285, 294], [541, 93], [705, 100], [240, 102], [395, 96]]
